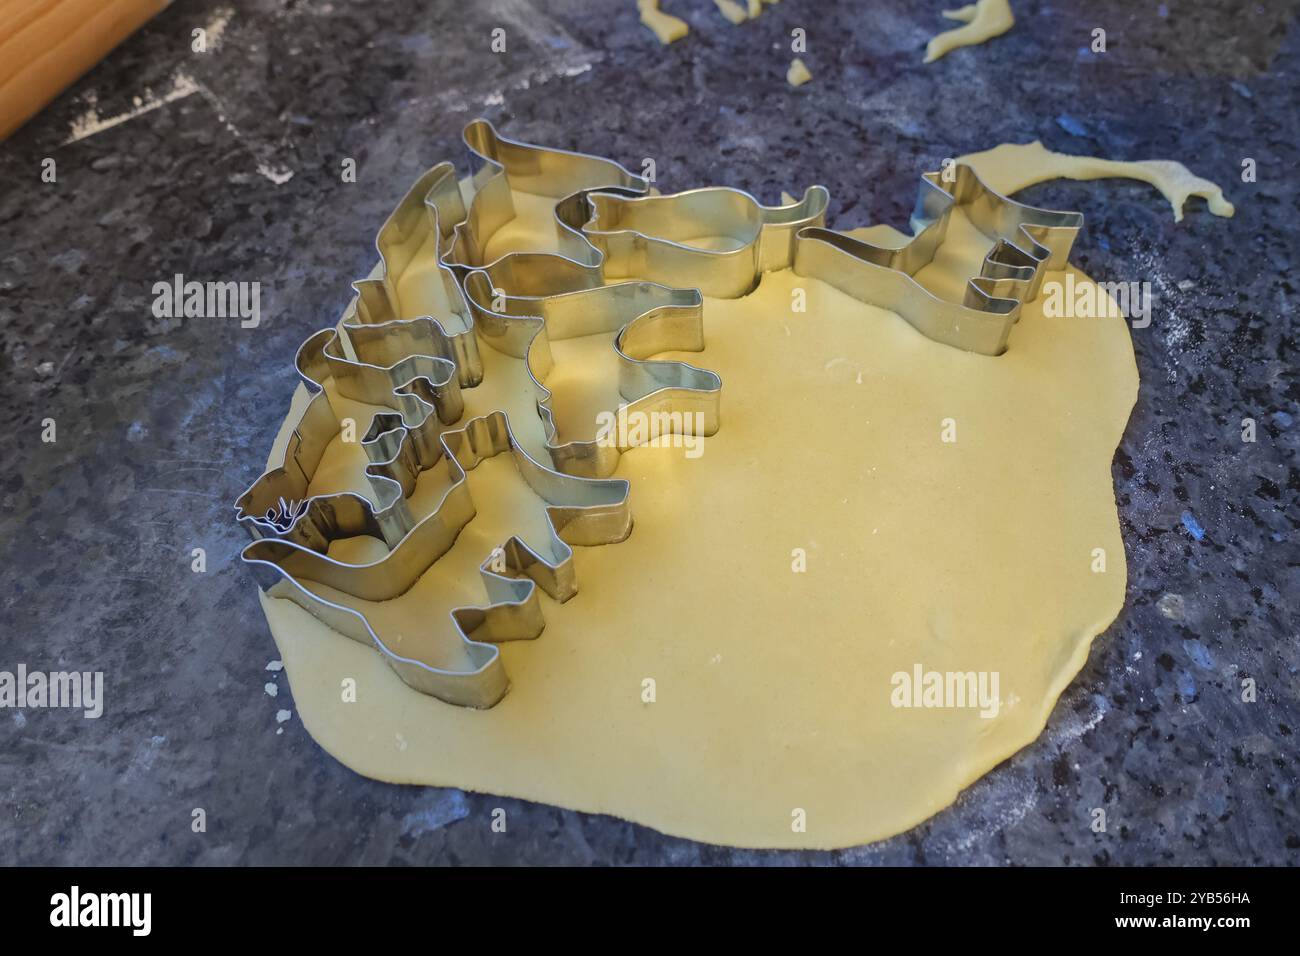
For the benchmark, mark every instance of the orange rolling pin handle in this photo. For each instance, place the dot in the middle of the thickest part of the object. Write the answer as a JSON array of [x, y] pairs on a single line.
[[45, 45]]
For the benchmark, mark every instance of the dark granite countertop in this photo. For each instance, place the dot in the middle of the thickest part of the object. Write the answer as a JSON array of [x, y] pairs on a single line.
[[235, 176]]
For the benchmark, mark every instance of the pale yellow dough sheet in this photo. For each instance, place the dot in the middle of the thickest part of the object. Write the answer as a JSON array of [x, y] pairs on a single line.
[[772, 688]]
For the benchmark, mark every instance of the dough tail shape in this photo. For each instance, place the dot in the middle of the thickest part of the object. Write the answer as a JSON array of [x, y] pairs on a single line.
[[1014, 166], [983, 20]]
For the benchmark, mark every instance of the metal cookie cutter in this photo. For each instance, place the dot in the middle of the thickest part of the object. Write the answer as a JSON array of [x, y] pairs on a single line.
[[1026, 242], [413, 283], [277, 505], [646, 319], [277, 502], [292, 540], [413, 352], [607, 226], [392, 366], [504, 166], [579, 511], [718, 240]]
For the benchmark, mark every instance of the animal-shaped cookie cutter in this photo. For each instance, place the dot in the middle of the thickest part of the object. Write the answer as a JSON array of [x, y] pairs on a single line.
[[646, 319], [404, 317], [608, 226], [502, 167], [1026, 243], [718, 240]]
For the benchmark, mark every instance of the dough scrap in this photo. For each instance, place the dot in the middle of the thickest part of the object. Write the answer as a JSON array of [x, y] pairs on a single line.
[[666, 27], [1018, 165], [733, 11], [669, 28], [798, 74], [983, 20]]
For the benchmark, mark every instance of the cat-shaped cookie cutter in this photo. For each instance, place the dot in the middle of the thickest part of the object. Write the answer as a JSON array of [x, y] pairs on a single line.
[[1026, 242]]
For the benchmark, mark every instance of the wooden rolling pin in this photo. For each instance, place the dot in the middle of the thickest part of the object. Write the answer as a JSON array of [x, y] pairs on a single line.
[[46, 44]]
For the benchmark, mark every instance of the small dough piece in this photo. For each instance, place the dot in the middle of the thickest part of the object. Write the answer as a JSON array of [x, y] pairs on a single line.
[[732, 11], [664, 26], [984, 20], [1017, 165], [798, 73]]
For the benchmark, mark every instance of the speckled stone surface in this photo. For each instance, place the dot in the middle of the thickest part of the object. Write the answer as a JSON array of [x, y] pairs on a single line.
[[162, 422]]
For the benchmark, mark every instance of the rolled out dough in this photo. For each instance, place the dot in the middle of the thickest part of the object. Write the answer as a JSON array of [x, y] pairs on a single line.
[[773, 689]]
